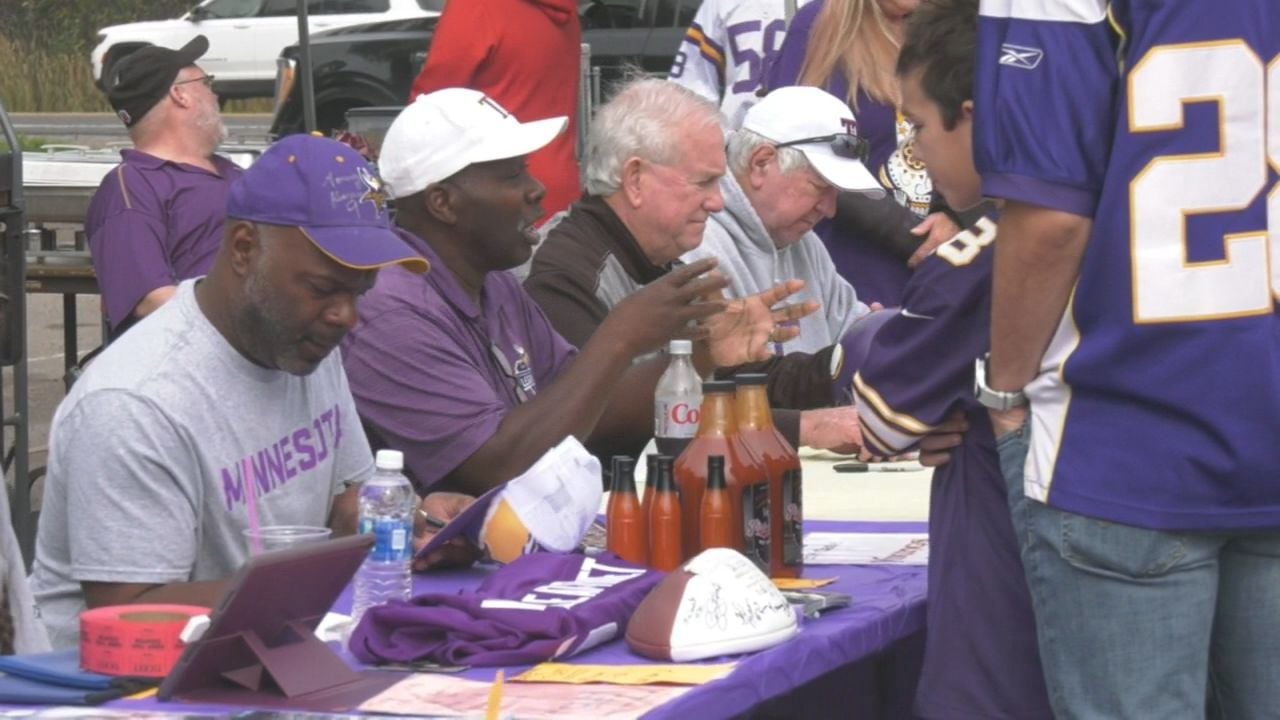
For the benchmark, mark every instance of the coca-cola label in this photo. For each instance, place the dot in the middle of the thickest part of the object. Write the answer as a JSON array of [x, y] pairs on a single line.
[[793, 520], [676, 418]]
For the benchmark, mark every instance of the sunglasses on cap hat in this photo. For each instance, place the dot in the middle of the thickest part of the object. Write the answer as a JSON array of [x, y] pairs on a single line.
[[845, 145]]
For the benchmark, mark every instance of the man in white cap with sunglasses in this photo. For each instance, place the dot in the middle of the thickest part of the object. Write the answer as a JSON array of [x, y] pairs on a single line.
[[460, 369], [797, 148]]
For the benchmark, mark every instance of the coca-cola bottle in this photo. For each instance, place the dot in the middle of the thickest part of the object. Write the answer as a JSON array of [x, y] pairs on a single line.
[[772, 510], [676, 401]]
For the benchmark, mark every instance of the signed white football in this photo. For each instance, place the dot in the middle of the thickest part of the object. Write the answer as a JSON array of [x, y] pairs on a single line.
[[718, 603]]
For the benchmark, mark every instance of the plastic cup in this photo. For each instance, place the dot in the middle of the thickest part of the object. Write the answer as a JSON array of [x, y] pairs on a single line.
[[279, 537]]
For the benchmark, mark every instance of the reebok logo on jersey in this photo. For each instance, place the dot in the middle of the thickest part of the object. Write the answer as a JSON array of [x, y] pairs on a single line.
[[1020, 57]]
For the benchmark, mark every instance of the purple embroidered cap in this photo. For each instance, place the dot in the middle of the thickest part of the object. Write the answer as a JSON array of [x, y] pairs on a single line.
[[540, 607], [330, 193]]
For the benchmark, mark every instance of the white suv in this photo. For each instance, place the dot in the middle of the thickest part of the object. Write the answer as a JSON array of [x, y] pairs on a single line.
[[246, 36]]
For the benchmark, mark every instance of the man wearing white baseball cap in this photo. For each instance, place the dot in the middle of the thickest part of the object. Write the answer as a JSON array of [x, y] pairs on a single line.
[[797, 148], [459, 369]]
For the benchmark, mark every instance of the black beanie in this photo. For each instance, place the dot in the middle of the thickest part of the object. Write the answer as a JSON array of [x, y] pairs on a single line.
[[144, 76]]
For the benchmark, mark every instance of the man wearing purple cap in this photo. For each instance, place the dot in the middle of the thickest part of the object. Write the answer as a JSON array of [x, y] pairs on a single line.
[[228, 408], [157, 217], [461, 370]]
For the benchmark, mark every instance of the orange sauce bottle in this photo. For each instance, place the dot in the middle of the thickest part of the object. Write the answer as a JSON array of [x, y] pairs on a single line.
[[717, 435], [626, 526], [666, 550], [716, 526], [650, 479], [774, 508]]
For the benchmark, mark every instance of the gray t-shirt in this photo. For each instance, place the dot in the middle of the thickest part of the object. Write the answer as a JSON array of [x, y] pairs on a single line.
[[150, 454]]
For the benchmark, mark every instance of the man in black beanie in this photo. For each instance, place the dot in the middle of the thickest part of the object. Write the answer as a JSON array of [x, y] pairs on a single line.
[[157, 217]]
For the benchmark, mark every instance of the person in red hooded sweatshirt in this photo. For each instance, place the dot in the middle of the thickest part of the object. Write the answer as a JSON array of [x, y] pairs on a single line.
[[525, 55]]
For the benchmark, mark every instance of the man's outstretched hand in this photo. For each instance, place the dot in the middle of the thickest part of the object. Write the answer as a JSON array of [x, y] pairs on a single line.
[[747, 327]]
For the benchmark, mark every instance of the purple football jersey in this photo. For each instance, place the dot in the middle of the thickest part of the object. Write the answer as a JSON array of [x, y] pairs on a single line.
[[981, 657], [1159, 393], [540, 607]]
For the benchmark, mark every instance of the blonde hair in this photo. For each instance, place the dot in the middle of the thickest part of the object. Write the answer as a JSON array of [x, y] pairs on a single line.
[[854, 36]]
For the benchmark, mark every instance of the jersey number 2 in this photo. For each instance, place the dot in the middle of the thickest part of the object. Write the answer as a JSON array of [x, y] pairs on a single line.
[[1167, 286]]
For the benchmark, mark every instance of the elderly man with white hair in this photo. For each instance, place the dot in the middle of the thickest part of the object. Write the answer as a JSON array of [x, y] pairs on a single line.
[[797, 148], [653, 168]]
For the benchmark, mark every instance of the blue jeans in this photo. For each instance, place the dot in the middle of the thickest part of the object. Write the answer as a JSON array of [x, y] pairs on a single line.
[[1137, 623]]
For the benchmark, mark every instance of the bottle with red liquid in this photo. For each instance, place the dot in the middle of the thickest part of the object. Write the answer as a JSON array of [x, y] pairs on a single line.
[[627, 528], [772, 508], [717, 435], [650, 480], [666, 548], [716, 526]]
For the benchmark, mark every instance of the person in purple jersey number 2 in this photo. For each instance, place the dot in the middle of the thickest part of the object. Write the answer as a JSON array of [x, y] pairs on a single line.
[[1134, 379]]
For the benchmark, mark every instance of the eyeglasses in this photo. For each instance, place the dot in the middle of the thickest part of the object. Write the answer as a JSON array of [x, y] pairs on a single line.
[[206, 79], [845, 145]]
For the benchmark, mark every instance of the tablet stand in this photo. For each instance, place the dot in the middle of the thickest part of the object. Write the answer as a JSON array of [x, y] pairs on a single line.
[[300, 665]]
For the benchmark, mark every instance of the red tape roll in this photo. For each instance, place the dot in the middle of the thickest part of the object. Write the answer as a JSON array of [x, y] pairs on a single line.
[[133, 640]]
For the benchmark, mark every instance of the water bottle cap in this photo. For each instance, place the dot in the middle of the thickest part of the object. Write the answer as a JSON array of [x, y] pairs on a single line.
[[389, 460], [680, 347]]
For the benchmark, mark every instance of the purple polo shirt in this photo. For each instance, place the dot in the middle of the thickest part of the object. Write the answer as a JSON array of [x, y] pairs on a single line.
[[152, 223], [433, 373]]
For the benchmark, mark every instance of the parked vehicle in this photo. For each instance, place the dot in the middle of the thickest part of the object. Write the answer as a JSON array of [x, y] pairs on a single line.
[[375, 64], [246, 36]]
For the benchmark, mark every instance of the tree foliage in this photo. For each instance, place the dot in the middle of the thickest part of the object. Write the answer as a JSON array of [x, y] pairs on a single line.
[[59, 26]]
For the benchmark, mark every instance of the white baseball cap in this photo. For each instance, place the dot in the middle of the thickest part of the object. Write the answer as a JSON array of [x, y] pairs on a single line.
[[548, 507], [441, 133], [821, 126]]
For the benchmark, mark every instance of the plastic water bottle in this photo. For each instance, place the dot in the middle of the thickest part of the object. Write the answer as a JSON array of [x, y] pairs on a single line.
[[677, 401], [386, 502]]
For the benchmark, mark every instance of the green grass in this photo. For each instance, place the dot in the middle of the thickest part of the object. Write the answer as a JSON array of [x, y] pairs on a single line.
[[32, 144], [33, 79]]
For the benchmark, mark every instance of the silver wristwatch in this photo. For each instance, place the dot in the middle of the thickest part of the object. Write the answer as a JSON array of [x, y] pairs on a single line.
[[994, 399]]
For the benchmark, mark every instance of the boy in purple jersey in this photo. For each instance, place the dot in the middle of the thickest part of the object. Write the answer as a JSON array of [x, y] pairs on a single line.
[[1134, 305], [981, 658]]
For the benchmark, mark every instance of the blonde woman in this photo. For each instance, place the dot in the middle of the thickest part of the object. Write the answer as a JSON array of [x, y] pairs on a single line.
[[849, 48]]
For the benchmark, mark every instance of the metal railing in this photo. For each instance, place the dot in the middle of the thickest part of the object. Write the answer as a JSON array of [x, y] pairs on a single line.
[[13, 333]]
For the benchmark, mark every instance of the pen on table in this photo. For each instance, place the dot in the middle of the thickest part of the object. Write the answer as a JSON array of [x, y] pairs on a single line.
[[861, 467], [432, 521]]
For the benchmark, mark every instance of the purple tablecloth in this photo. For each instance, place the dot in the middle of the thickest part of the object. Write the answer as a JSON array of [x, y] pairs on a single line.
[[861, 661]]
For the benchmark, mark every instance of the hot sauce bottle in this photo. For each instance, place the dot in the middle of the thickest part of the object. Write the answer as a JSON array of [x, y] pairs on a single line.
[[626, 526], [650, 479], [716, 525], [773, 507], [717, 435], [666, 550]]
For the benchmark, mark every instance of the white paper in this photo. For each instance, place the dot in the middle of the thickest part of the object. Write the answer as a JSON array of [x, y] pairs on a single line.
[[833, 548]]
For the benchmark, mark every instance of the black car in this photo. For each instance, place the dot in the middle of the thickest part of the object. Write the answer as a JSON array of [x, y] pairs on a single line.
[[375, 64]]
